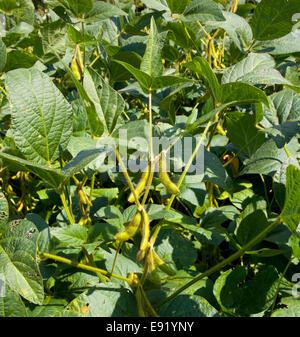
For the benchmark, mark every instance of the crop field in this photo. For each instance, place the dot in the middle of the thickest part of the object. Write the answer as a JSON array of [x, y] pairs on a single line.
[[149, 158]]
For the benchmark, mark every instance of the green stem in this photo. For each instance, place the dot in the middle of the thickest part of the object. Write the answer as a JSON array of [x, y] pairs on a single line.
[[126, 175], [93, 264], [190, 162], [148, 304], [81, 265], [115, 258], [223, 263], [82, 30], [69, 214]]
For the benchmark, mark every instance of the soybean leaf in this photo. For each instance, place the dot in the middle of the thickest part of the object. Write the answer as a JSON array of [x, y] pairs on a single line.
[[2, 55], [279, 180], [287, 44], [187, 305], [233, 291], [18, 260], [74, 7], [290, 214], [202, 10], [291, 308], [109, 103], [101, 11], [53, 177], [11, 304], [53, 37], [74, 235], [236, 27], [243, 133], [95, 123], [119, 301], [255, 69], [242, 93], [152, 61], [41, 116], [273, 18], [176, 6], [268, 158], [203, 69]]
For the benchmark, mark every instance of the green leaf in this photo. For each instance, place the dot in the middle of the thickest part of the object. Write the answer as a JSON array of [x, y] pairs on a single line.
[[51, 176], [4, 210], [201, 67], [11, 304], [109, 103], [73, 236], [161, 82], [101, 11], [155, 83], [267, 159], [52, 307], [287, 107], [273, 18], [53, 40], [291, 308], [75, 7], [235, 295], [95, 123], [116, 300], [18, 260], [243, 133], [175, 250], [287, 44], [2, 55], [236, 27], [82, 160], [279, 180], [202, 10], [41, 116], [255, 69], [177, 7], [143, 78], [186, 305], [290, 214], [8, 5], [250, 226], [152, 62], [242, 93], [19, 59]]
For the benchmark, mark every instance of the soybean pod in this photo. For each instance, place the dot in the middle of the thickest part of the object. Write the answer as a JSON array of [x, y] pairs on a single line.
[[141, 184], [162, 265], [130, 231], [145, 230], [164, 177]]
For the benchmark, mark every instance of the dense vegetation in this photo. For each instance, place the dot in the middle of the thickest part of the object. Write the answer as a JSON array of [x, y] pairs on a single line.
[[88, 229]]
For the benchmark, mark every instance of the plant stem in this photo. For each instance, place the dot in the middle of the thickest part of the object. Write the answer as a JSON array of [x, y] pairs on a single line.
[[190, 162], [148, 304], [223, 263], [125, 172], [81, 265], [115, 258], [69, 214]]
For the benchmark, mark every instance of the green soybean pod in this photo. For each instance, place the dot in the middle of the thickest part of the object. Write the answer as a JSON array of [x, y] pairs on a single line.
[[145, 230], [164, 177], [132, 228], [162, 265], [141, 184]]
